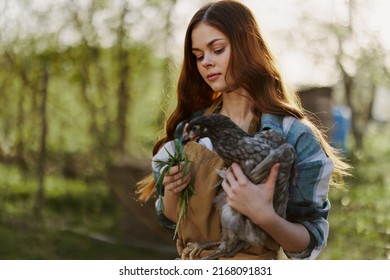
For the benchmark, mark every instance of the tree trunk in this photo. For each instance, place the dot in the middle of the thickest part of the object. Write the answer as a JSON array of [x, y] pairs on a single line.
[[371, 101], [123, 88], [356, 130], [40, 195]]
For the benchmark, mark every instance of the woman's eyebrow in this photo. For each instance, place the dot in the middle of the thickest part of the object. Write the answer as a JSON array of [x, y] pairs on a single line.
[[209, 44]]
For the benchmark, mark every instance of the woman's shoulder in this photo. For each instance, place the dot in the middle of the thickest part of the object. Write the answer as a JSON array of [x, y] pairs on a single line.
[[298, 133], [287, 125]]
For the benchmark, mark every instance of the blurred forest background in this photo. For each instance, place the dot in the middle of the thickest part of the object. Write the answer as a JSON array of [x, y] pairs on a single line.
[[85, 86]]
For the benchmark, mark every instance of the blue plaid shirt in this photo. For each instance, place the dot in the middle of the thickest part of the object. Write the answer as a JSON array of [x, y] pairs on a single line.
[[308, 197]]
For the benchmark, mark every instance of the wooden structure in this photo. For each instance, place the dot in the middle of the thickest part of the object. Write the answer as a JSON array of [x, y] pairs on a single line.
[[318, 101]]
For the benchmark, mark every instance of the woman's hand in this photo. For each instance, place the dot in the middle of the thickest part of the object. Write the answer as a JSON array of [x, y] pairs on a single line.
[[253, 201], [175, 180], [256, 202]]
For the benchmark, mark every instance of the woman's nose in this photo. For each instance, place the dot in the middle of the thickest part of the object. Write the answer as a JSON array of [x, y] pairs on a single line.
[[207, 60]]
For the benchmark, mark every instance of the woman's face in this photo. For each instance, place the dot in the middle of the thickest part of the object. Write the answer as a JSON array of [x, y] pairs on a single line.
[[211, 49]]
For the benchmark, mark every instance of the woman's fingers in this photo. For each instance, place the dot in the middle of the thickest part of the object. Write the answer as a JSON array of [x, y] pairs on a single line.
[[178, 185], [175, 169], [175, 180], [172, 178], [273, 175], [235, 179], [235, 176]]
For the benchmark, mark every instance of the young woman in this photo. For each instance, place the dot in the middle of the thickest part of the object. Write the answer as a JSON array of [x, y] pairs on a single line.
[[228, 69]]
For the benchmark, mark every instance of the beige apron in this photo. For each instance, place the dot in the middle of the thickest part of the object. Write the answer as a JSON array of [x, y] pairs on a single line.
[[202, 222]]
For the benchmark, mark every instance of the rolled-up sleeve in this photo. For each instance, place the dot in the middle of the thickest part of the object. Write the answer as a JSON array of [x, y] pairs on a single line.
[[157, 169], [308, 201]]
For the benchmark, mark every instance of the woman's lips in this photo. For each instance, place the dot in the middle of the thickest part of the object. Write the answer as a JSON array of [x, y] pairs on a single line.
[[212, 77]]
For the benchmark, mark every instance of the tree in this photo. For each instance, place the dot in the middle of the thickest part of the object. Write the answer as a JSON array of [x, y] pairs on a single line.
[[356, 55], [40, 195], [123, 94]]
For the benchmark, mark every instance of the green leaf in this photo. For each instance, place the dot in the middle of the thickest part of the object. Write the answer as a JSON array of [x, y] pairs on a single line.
[[178, 157]]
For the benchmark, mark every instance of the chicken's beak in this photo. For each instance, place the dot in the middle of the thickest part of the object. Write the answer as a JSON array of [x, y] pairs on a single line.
[[188, 136]]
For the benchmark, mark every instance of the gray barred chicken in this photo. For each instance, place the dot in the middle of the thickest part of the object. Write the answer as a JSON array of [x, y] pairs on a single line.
[[255, 155]]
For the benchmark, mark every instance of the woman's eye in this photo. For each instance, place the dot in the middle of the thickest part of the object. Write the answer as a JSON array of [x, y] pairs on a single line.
[[219, 51], [198, 56]]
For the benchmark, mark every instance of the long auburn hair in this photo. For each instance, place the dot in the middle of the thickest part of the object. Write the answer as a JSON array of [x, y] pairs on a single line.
[[251, 66]]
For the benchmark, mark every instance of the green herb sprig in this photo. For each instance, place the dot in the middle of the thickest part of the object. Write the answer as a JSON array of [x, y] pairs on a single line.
[[178, 157]]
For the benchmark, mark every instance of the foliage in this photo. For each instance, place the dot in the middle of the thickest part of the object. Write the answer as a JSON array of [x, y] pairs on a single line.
[[103, 79], [359, 221], [81, 221], [179, 157], [356, 57], [100, 95]]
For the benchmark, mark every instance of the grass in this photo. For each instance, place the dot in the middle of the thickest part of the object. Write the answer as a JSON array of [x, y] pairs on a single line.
[[359, 220], [44, 243], [81, 219]]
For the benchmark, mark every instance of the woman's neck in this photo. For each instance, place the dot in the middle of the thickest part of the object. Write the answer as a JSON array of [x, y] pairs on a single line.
[[237, 106]]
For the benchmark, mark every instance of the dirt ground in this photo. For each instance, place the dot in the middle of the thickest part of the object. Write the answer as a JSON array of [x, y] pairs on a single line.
[[139, 220]]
